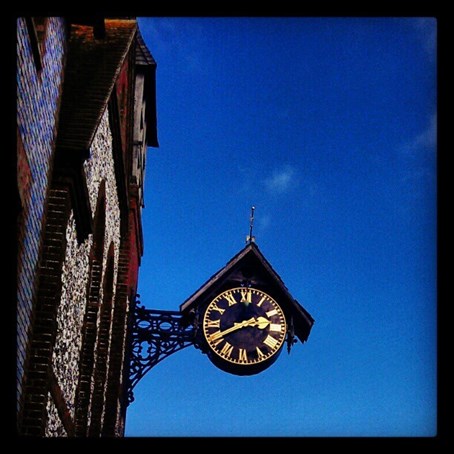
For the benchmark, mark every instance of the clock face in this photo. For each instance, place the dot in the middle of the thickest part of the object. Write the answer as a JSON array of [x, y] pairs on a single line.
[[244, 327]]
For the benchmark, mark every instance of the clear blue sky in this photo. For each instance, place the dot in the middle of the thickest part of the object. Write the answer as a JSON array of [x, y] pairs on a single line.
[[328, 127]]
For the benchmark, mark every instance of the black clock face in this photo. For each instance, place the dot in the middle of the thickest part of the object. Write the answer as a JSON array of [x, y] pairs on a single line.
[[244, 326]]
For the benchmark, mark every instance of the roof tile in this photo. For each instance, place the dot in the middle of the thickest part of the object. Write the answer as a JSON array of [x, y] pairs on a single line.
[[92, 69]]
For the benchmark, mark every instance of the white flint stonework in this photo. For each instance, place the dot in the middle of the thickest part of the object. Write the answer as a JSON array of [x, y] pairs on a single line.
[[75, 274], [54, 426], [100, 167], [70, 315]]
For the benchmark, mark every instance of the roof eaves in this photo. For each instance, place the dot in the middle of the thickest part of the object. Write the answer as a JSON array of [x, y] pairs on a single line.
[[91, 72]]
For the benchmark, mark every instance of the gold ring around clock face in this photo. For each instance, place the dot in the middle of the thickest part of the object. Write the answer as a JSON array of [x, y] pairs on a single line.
[[244, 326]]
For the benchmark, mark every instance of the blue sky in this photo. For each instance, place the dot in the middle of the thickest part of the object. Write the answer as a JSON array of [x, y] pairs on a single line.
[[328, 127]]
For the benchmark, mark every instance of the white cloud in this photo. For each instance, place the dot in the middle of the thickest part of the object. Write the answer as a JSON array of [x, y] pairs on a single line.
[[263, 222], [281, 180], [427, 27], [418, 154], [158, 33], [426, 140], [167, 35]]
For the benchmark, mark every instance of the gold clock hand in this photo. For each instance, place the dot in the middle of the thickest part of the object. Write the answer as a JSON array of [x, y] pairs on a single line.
[[235, 327], [262, 323]]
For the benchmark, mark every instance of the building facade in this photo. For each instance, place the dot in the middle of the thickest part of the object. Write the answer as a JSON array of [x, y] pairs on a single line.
[[86, 113]]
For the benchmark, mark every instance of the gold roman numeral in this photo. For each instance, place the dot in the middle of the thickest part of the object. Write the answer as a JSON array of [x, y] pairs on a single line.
[[275, 327], [214, 323], [217, 341], [246, 296], [270, 341], [230, 299], [271, 312], [242, 355], [261, 301], [227, 349], [216, 308], [259, 352]]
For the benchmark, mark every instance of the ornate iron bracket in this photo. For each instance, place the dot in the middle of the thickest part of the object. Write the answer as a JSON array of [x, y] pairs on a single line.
[[155, 335]]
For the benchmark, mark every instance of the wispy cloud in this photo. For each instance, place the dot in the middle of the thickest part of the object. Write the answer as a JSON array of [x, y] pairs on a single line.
[[166, 35], [427, 27], [281, 180], [418, 154], [160, 33], [426, 140], [263, 222]]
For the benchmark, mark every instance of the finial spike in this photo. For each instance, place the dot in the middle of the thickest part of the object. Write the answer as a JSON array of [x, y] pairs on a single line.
[[250, 238]]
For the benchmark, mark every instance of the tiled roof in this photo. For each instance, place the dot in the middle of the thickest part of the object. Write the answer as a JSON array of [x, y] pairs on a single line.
[[143, 55], [92, 68], [251, 261]]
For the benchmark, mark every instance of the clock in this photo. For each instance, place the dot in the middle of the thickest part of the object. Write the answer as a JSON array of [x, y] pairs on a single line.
[[244, 329]]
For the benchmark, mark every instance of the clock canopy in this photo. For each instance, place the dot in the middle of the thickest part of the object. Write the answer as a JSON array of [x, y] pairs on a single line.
[[250, 268]]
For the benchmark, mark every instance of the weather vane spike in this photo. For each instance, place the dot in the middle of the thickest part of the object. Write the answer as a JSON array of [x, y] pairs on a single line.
[[251, 239]]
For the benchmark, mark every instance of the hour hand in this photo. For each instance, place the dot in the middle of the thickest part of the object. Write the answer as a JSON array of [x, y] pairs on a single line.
[[261, 323], [235, 326]]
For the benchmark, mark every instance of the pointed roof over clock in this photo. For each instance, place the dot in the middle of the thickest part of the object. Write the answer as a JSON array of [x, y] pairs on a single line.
[[250, 267]]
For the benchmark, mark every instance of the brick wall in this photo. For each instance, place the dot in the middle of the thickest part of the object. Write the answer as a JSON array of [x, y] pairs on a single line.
[[102, 365], [70, 346], [73, 289], [36, 388], [100, 167], [90, 324], [38, 97], [115, 394]]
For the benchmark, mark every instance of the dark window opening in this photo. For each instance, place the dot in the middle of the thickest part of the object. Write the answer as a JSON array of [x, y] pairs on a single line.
[[37, 28]]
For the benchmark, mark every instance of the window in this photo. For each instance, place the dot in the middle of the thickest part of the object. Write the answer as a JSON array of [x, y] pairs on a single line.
[[37, 27]]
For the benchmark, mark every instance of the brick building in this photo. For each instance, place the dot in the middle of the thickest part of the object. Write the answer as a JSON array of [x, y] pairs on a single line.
[[86, 113]]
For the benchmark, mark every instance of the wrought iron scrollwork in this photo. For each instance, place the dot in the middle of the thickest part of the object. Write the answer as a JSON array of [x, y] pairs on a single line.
[[155, 335]]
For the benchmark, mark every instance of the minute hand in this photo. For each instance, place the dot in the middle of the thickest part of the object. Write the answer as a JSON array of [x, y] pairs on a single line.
[[261, 322]]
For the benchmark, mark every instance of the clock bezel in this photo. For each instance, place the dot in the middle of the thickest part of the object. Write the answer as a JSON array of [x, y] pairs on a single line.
[[233, 364]]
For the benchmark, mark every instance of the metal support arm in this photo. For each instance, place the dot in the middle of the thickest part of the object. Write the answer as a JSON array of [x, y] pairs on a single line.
[[155, 335]]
